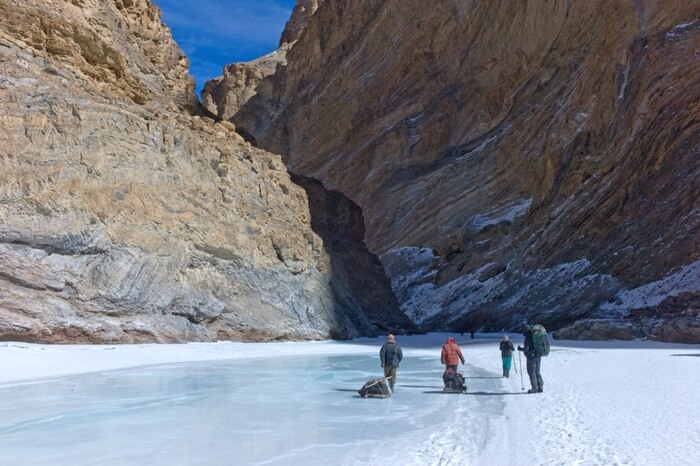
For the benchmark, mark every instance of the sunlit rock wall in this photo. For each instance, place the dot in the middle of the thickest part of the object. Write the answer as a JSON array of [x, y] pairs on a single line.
[[125, 219]]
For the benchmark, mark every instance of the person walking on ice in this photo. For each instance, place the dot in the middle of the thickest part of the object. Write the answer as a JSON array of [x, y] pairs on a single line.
[[390, 356], [507, 348], [534, 347], [451, 354]]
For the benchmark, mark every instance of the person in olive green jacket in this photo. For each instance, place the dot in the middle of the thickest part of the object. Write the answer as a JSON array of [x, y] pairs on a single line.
[[390, 356]]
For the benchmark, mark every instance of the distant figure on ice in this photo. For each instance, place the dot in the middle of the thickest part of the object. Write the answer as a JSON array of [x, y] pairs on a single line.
[[534, 347], [390, 356], [451, 354], [507, 348]]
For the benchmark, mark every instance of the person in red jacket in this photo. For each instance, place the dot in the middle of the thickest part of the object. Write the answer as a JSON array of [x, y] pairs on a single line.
[[451, 354]]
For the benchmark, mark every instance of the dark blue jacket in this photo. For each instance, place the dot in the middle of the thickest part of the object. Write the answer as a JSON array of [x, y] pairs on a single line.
[[506, 348]]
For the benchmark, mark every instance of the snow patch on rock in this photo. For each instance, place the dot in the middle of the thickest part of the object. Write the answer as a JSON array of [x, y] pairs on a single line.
[[506, 293], [499, 214], [686, 279], [412, 278]]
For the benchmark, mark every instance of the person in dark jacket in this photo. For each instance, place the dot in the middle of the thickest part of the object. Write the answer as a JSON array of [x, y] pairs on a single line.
[[390, 356], [507, 348], [451, 354], [534, 360]]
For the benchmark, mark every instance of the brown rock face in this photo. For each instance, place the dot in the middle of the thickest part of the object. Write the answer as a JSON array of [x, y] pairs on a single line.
[[125, 219], [301, 15], [512, 161]]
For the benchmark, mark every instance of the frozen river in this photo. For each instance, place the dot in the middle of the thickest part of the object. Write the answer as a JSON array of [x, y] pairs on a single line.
[[286, 410], [605, 403]]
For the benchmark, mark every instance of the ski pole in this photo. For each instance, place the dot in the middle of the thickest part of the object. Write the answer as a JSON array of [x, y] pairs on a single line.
[[522, 384]]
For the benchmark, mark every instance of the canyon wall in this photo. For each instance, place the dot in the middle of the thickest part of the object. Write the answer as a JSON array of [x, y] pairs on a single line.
[[126, 218], [514, 161]]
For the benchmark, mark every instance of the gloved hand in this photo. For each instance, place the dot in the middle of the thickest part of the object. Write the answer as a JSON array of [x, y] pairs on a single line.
[[520, 348]]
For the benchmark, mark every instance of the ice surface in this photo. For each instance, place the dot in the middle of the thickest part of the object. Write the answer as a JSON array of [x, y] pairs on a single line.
[[290, 410], [288, 404]]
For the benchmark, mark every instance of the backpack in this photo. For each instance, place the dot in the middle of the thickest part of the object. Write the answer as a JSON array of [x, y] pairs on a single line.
[[539, 346], [377, 388]]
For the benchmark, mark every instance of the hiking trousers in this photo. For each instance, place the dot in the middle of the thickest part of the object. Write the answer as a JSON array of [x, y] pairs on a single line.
[[533, 370], [390, 373], [506, 366]]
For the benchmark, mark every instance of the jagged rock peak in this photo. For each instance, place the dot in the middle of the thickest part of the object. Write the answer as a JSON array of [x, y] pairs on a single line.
[[224, 95], [301, 15]]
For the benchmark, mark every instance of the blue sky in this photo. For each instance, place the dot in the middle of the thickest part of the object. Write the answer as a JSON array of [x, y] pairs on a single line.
[[214, 33]]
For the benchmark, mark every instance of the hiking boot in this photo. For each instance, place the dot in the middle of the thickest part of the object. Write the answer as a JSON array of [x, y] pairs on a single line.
[[532, 390], [540, 390]]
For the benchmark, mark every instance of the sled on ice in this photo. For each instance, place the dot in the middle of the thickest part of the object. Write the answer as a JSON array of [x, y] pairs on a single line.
[[376, 388], [454, 382]]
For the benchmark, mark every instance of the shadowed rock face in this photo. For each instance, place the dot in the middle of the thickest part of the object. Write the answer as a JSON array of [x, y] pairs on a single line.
[[125, 219], [513, 162], [359, 280]]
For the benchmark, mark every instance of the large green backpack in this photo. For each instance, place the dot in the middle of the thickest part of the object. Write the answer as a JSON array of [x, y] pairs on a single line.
[[539, 334]]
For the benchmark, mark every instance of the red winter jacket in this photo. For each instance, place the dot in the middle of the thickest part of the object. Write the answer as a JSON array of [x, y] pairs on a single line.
[[451, 354]]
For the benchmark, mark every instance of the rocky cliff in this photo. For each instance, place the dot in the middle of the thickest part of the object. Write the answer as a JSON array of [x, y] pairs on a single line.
[[514, 161], [124, 218]]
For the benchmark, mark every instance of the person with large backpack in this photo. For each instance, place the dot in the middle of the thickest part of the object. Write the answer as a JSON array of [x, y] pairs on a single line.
[[390, 356], [534, 347]]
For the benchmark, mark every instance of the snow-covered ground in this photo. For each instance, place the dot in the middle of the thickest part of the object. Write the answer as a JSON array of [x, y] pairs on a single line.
[[634, 403]]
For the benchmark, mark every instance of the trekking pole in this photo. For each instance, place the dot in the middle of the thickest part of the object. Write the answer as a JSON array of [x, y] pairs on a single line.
[[522, 384]]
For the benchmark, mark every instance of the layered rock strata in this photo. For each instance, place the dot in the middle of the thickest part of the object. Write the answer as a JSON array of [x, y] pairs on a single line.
[[513, 162], [125, 219]]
